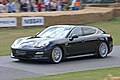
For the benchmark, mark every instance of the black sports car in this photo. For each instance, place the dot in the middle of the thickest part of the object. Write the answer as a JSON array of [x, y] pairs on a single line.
[[61, 41]]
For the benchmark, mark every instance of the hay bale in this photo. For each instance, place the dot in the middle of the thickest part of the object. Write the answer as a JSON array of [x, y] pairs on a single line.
[[117, 12], [112, 78], [80, 17], [87, 15]]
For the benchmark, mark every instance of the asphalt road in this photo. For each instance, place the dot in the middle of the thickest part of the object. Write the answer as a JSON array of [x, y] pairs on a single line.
[[11, 69]]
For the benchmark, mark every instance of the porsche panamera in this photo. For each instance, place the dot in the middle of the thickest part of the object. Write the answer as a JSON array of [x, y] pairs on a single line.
[[58, 42]]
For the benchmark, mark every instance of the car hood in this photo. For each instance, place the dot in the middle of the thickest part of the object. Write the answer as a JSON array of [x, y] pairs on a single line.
[[31, 42]]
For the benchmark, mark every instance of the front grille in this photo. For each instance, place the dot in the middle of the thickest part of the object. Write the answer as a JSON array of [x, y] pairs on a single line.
[[23, 53]]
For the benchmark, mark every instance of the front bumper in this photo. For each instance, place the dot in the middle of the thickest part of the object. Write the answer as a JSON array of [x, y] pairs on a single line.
[[30, 54]]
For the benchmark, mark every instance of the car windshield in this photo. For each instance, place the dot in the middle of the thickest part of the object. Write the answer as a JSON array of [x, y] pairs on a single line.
[[54, 32]]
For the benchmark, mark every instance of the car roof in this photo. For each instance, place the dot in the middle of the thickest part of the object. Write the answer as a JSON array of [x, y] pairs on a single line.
[[72, 26]]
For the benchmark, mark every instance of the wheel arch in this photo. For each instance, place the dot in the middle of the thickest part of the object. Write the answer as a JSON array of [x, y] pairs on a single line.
[[103, 39], [107, 46]]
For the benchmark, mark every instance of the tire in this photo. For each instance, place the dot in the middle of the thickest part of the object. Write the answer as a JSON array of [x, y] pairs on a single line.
[[102, 50], [56, 55]]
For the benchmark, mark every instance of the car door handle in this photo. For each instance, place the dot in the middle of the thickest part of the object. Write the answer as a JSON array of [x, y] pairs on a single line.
[[83, 41]]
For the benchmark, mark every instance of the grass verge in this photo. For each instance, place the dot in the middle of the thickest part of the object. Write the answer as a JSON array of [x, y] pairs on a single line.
[[98, 74], [8, 35]]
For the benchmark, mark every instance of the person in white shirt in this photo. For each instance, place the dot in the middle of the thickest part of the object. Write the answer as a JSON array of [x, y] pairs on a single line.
[[47, 5], [73, 5], [53, 6]]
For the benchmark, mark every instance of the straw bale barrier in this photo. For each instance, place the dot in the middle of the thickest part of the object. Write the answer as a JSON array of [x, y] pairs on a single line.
[[90, 13], [102, 5], [114, 6], [116, 12], [110, 77], [83, 16]]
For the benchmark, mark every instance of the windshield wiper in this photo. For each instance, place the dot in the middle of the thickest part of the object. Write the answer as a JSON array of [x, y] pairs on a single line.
[[34, 37]]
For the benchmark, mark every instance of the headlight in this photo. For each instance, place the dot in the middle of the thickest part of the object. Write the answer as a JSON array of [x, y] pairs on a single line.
[[42, 44], [16, 42]]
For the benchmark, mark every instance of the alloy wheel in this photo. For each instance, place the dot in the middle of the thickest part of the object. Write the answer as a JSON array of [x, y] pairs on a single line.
[[56, 54], [103, 50]]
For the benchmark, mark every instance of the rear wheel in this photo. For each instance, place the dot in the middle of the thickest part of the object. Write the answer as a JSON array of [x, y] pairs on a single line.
[[102, 50], [56, 55]]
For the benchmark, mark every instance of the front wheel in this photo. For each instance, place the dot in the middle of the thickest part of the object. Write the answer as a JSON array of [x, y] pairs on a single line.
[[56, 55], [102, 50]]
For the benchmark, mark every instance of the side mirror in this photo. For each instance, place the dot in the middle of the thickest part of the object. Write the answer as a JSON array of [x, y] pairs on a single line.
[[73, 37]]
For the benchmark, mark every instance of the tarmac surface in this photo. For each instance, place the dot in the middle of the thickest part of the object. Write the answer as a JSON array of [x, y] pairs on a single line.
[[11, 69]]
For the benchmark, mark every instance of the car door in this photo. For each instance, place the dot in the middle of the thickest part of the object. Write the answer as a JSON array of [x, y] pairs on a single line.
[[75, 46], [90, 40]]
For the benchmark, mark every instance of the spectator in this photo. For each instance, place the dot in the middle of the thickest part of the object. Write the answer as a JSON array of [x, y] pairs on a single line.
[[47, 5], [59, 5], [73, 4], [39, 5], [24, 7], [53, 6], [1, 7], [42, 7], [8, 7], [15, 6], [4, 2], [25, 1], [33, 6], [77, 5]]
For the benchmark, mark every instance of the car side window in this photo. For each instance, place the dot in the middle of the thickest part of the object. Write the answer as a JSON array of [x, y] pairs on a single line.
[[76, 31], [88, 31]]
